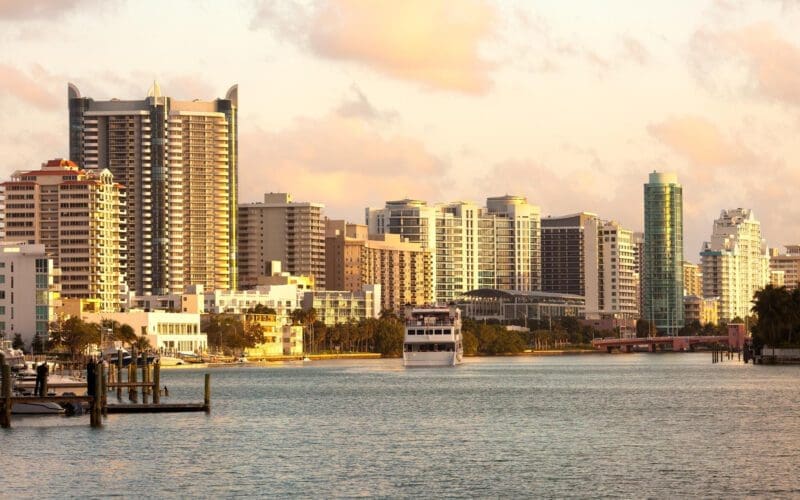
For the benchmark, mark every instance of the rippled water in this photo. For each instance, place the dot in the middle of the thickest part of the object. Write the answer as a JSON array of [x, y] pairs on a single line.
[[636, 425]]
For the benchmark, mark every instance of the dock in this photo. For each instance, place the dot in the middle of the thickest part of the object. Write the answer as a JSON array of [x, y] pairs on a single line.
[[105, 379]]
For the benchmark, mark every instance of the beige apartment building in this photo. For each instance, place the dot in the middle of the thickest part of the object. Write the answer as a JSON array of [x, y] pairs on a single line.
[[77, 216], [789, 263], [692, 279], [280, 229], [178, 162], [353, 258]]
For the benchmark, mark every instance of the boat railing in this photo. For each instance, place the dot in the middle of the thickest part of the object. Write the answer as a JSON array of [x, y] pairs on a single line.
[[420, 322]]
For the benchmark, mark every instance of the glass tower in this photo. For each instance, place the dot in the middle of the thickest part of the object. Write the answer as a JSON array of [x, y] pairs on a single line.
[[663, 253]]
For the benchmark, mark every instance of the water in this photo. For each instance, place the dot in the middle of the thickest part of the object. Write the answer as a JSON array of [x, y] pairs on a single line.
[[638, 425]]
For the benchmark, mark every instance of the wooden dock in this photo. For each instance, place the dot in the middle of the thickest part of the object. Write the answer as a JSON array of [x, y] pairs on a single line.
[[98, 401]]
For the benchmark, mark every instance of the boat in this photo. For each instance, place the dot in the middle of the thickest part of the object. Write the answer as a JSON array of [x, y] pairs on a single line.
[[169, 361], [36, 408], [433, 336], [15, 358]]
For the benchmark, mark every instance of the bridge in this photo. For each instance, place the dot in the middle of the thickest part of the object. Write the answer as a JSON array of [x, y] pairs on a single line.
[[735, 340]]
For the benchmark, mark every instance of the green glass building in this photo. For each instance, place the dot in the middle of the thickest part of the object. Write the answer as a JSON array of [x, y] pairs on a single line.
[[663, 253]]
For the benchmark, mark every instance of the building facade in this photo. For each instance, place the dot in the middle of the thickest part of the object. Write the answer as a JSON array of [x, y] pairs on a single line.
[[28, 292], [335, 307], [663, 253], [280, 229], [584, 255], [78, 216], [519, 307], [178, 161], [167, 332], [789, 263], [692, 279], [735, 263], [354, 259], [497, 246]]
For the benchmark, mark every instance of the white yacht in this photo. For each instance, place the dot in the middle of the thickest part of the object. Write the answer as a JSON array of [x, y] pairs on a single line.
[[433, 336]]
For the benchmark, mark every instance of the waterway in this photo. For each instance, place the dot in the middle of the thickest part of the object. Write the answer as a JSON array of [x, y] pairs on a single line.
[[632, 425]]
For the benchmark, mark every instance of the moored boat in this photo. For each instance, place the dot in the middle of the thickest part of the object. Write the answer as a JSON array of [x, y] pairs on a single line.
[[433, 336]]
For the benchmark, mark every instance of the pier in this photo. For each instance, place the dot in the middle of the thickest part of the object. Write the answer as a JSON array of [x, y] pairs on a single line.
[[106, 378]]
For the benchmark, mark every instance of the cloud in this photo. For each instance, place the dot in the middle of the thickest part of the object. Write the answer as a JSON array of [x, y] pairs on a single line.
[[432, 42], [35, 9], [357, 105], [769, 64], [16, 85], [342, 162], [700, 142]]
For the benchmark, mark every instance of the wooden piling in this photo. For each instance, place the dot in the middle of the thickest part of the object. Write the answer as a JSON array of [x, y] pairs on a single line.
[[119, 374], [104, 375], [157, 383], [95, 417], [5, 415], [207, 394], [144, 377]]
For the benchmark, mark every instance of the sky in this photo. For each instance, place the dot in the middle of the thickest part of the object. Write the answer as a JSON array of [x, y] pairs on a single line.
[[354, 102]]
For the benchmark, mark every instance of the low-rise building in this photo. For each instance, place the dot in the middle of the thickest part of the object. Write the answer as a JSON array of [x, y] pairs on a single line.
[[166, 331], [509, 305], [28, 293], [702, 310], [334, 307]]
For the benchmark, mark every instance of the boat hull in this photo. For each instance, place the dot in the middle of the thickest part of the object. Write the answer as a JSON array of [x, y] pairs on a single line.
[[36, 409], [422, 359]]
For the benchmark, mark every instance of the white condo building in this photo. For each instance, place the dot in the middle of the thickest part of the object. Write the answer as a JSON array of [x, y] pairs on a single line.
[[735, 263], [28, 293], [473, 247]]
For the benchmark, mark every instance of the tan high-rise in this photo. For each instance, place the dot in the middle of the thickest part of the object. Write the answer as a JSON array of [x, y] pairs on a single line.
[[77, 215], [354, 259], [283, 230], [178, 162]]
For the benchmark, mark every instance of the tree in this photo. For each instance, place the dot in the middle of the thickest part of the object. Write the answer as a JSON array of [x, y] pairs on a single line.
[[37, 346], [18, 343], [388, 336], [126, 335], [777, 316], [142, 344], [643, 328]]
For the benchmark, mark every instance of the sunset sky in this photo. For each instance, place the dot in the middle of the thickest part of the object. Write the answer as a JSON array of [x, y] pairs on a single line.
[[354, 102]]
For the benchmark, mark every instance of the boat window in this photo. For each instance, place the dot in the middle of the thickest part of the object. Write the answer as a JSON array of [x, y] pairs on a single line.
[[438, 331], [412, 332]]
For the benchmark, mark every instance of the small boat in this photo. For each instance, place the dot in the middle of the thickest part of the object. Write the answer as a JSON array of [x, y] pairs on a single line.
[[170, 361], [34, 408], [433, 336]]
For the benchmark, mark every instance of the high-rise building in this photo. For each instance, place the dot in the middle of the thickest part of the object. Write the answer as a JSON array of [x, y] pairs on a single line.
[[473, 247], [735, 263], [570, 256], [692, 279], [178, 161], [663, 253], [28, 291], [77, 216], [354, 259], [638, 268], [582, 255], [789, 263], [617, 277], [280, 229]]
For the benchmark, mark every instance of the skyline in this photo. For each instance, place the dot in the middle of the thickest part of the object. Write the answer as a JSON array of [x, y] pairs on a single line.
[[355, 117]]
